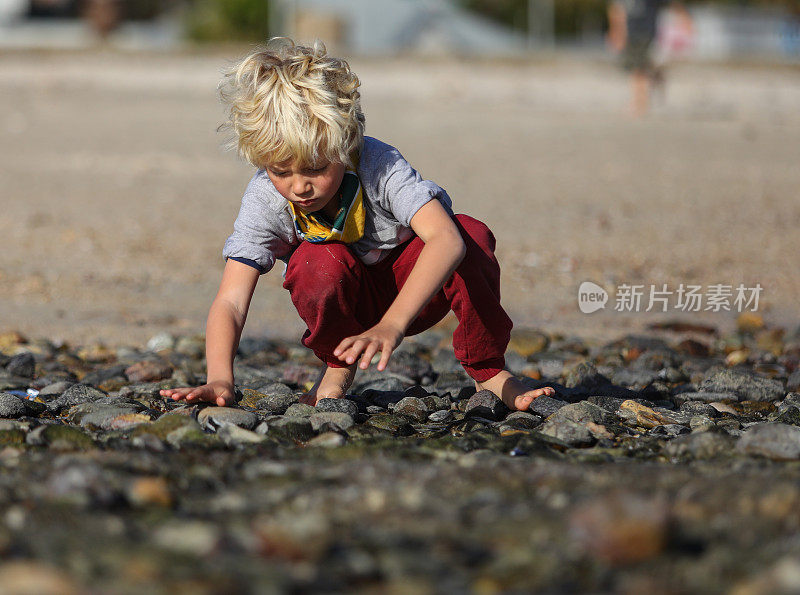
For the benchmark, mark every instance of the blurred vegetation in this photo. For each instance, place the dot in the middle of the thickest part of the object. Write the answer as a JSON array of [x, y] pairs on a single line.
[[574, 16], [228, 20]]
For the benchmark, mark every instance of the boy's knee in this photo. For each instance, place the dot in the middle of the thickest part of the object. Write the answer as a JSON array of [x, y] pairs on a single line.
[[476, 234]]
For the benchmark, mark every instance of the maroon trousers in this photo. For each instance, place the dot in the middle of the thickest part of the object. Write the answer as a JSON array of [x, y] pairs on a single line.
[[338, 296]]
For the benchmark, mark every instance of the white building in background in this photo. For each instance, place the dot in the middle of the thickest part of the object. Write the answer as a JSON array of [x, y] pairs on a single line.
[[384, 27], [724, 32]]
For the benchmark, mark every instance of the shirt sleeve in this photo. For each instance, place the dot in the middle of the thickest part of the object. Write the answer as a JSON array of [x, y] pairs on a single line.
[[256, 239], [403, 190]]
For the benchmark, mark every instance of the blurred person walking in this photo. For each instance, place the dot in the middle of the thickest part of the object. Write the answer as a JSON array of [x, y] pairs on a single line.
[[632, 28]]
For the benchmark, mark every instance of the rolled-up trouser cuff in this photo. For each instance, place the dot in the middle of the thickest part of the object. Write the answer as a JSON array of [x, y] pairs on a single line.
[[486, 369]]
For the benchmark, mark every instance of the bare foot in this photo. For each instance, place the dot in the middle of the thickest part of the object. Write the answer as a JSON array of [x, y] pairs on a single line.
[[331, 384], [511, 390]]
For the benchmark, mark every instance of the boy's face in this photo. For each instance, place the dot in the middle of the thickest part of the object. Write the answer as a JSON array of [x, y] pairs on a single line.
[[308, 189]]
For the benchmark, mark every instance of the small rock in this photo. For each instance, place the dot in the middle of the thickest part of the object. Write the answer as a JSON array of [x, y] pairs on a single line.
[[291, 427], [327, 440], [276, 403], [27, 578], [585, 376], [148, 371], [621, 528], [486, 404], [149, 491], [413, 408], [23, 365], [636, 414], [570, 423], [793, 382], [789, 414], [703, 397], [332, 420], [701, 445], [546, 406], [300, 410], [668, 431], [227, 415], [701, 423], [527, 341], [161, 342], [699, 408], [338, 405], [55, 389], [780, 442], [191, 538], [233, 435], [441, 416], [747, 386], [396, 424], [11, 407], [75, 395]]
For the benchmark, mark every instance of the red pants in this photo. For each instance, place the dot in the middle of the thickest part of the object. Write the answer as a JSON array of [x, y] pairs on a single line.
[[338, 296]]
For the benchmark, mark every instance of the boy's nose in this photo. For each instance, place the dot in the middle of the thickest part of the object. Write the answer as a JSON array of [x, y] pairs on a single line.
[[300, 186]]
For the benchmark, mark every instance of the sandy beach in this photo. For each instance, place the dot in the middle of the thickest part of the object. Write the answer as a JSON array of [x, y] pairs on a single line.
[[117, 195]]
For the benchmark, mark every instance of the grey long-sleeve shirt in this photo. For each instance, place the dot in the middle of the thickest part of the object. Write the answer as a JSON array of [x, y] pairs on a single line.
[[393, 192]]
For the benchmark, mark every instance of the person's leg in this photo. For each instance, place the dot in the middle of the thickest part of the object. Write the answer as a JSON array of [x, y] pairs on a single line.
[[473, 294], [329, 287]]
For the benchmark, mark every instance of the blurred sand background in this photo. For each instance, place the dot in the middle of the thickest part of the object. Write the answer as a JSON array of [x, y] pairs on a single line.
[[117, 196]]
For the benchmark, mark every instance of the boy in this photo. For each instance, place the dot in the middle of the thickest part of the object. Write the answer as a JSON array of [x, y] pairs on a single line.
[[373, 251]]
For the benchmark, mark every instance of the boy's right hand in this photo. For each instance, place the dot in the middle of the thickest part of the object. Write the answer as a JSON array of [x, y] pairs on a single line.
[[218, 392]]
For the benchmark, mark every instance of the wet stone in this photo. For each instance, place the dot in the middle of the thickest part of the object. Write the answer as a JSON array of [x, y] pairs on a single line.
[[585, 376], [413, 408], [780, 442], [396, 424], [701, 445], [786, 415], [793, 382], [11, 406], [290, 427], [576, 424], [55, 389], [703, 397], [747, 386], [331, 420], [233, 435], [487, 405], [338, 405], [75, 395], [300, 410], [546, 406], [217, 416], [327, 440], [668, 431], [698, 408], [621, 528], [701, 423], [441, 416], [276, 403], [23, 365]]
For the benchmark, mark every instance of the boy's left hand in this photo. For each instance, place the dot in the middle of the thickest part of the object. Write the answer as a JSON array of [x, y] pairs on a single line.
[[383, 337]]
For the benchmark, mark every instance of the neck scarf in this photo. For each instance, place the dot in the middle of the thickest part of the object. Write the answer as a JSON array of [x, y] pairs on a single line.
[[347, 226]]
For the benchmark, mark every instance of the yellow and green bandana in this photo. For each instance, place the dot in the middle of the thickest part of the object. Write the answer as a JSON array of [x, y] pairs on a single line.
[[347, 226]]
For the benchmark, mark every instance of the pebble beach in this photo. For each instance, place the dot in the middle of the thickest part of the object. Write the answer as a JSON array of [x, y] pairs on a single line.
[[667, 461]]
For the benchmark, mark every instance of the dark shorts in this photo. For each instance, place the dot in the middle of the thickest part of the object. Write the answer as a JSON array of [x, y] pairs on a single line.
[[636, 56]]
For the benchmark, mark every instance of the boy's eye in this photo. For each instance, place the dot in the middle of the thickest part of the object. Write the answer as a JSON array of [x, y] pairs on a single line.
[[316, 170]]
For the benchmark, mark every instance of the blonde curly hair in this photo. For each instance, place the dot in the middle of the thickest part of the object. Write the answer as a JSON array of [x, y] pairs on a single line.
[[293, 102]]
